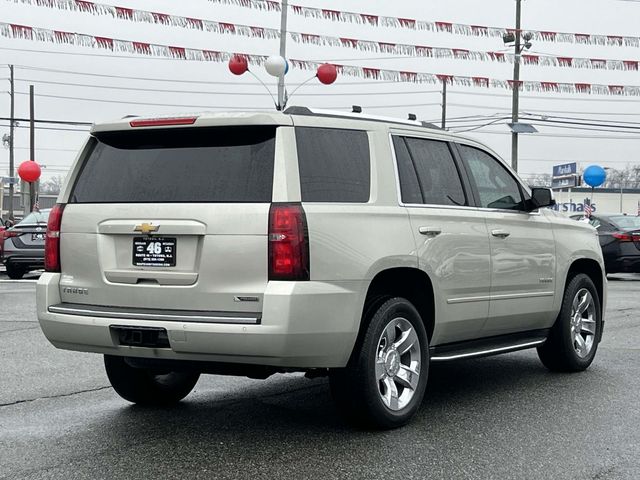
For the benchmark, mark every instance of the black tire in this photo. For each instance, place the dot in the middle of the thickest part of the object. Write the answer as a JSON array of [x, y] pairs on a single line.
[[559, 353], [148, 387], [15, 272], [356, 388]]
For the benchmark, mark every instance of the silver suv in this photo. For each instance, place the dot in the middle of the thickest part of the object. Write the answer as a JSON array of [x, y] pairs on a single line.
[[334, 244]]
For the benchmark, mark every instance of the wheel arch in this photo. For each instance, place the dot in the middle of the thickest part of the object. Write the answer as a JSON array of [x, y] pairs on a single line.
[[408, 282], [593, 270]]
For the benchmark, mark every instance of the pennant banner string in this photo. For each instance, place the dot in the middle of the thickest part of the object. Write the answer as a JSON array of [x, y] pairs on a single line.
[[14, 31], [435, 26], [398, 49]]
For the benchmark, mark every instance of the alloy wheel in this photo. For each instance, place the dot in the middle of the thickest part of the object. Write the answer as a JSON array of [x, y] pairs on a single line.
[[583, 322], [398, 363]]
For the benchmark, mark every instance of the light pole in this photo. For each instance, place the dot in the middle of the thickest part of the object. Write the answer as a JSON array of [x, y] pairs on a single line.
[[621, 185], [517, 38]]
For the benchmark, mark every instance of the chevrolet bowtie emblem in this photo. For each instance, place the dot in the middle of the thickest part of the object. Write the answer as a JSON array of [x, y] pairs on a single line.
[[146, 228]]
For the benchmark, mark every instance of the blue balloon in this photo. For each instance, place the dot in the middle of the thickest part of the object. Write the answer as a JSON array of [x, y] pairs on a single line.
[[594, 175]]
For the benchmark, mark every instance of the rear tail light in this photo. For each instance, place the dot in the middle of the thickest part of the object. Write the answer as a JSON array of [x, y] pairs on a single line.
[[623, 237], [288, 242], [9, 234], [52, 240]]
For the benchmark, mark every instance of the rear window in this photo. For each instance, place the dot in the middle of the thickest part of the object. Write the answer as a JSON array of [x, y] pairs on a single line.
[[334, 165], [35, 218], [626, 222], [219, 164]]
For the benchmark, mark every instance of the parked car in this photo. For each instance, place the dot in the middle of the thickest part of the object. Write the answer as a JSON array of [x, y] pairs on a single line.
[[23, 244], [619, 236], [333, 244]]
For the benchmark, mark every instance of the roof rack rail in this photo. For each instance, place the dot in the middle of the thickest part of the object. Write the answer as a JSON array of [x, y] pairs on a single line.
[[306, 111]]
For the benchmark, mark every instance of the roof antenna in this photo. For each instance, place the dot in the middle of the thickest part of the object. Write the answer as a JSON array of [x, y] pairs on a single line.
[[356, 109], [412, 116]]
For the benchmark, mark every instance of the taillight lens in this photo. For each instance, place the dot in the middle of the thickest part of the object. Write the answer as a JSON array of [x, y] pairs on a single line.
[[52, 240], [163, 122], [288, 242], [623, 237], [9, 234]]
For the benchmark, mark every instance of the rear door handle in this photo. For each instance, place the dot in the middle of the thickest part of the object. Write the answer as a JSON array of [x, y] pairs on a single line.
[[430, 231], [500, 233]]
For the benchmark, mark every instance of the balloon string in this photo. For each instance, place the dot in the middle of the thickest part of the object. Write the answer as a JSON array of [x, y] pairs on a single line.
[[275, 104], [297, 88]]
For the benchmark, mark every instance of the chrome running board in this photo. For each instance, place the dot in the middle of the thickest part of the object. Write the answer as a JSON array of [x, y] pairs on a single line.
[[485, 347]]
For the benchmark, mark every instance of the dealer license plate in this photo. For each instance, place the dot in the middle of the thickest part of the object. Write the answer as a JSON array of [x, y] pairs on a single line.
[[154, 251]]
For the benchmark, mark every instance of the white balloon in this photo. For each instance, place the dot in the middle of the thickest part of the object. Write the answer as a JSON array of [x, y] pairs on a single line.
[[275, 65]]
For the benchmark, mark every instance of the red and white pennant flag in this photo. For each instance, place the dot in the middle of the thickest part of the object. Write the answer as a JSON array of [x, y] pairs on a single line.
[[401, 49], [25, 32]]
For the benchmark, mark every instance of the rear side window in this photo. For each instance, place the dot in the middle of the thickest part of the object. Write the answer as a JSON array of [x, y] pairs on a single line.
[[219, 164], [334, 165], [428, 173]]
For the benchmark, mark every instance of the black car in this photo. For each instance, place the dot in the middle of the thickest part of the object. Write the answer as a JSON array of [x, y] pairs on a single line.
[[23, 244], [619, 236]]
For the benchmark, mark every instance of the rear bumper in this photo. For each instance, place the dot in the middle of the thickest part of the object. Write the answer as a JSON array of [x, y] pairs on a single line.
[[303, 325], [29, 261], [625, 264]]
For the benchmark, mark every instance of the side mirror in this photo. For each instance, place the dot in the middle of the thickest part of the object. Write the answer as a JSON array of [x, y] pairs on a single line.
[[540, 198]]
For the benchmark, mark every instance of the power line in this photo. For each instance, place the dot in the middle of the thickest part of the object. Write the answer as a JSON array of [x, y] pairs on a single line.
[[562, 135], [554, 98], [558, 124], [53, 122], [47, 149], [196, 82], [99, 100], [574, 112], [201, 92], [57, 129]]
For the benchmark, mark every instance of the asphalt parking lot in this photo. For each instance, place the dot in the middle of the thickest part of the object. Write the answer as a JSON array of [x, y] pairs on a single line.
[[501, 417]]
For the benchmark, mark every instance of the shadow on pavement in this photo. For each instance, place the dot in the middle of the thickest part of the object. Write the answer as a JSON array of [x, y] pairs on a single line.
[[293, 404]]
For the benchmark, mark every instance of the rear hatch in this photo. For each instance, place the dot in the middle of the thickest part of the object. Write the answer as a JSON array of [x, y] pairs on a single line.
[[170, 219]]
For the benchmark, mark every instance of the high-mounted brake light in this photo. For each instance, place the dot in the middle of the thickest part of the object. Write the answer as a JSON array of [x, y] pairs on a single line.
[[163, 122], [288, 242], [52, 239]]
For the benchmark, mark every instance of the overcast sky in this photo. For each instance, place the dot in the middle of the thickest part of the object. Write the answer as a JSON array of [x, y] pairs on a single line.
[[538, 153]]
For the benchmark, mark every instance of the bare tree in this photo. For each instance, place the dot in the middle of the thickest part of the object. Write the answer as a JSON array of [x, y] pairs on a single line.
[[628, 177], [538, 179], [52, 186]]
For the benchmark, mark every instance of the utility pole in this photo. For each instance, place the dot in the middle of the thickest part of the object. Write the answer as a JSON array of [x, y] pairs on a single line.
[[516, 87], [11, 142], [283, 51], [444, 104], [32, 144]]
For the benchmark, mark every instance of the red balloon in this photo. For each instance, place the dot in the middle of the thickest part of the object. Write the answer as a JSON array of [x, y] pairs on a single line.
[[238, 65], [29, 171], [327, 73]]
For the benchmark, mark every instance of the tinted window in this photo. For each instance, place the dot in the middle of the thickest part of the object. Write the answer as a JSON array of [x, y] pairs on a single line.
[[437, 173], [221, 164], [409, 186], [334, 165], [626, 222], [35, 218], [496, 186]]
